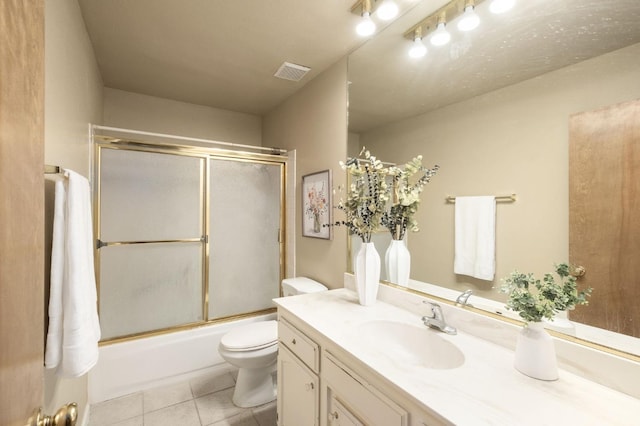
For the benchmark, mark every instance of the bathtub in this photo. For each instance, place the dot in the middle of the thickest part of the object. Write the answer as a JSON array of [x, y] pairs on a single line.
[[149, 362]]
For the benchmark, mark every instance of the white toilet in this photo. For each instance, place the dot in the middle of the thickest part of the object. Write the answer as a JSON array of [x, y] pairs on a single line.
[[253, 348]]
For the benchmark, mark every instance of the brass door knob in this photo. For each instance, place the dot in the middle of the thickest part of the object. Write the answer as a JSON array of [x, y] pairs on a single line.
[[67, 415], [578, 271]]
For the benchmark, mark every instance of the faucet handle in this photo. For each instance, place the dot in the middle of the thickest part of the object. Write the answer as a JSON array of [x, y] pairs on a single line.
[[436, 310]]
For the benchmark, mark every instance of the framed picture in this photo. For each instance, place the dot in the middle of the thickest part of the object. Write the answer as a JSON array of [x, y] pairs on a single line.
[[316, 205]]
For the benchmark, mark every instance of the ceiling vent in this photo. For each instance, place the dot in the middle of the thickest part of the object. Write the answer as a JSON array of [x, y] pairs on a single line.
[[293, 72]]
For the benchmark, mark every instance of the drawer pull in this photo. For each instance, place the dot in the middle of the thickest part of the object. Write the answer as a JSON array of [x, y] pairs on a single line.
[[293, 341], [334, 415], [309, 386]]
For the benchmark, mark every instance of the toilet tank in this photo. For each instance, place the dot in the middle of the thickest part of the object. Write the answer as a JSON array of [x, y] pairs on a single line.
[[300, 285]]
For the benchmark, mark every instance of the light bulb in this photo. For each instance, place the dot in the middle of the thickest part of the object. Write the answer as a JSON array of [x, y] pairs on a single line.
[[469, 19], [366, 27], [387, 10], [440, 36], [501, 6], [418, 49]]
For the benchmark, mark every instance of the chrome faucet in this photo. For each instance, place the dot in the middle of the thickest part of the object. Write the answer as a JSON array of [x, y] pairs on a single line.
[[436, 319], [463, 299]]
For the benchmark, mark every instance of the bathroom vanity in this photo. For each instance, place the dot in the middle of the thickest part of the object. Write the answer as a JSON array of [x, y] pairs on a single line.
[[341, 363]]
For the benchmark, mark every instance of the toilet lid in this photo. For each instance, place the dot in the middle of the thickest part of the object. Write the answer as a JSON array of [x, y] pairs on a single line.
[[256, 335]]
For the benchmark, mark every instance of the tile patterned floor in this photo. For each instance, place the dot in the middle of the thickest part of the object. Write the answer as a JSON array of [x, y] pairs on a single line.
[[204, 401]]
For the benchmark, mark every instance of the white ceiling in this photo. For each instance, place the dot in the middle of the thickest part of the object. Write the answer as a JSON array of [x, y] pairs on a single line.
[[219, 53], [534, 38], [223, 53]]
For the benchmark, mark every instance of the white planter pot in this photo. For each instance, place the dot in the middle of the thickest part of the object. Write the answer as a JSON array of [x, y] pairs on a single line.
[[535, 353], [398, 262], [562, 323], [367, 273]]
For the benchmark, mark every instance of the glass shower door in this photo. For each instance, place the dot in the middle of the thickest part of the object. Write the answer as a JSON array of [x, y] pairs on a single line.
[[245, 223], [151, 237]]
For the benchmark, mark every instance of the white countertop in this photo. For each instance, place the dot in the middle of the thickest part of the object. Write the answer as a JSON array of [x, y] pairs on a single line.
[[486, 389]]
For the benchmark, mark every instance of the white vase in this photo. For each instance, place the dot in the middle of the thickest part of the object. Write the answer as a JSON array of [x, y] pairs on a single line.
[[367, 274], [562, 323], [535, 353], [398, 262]]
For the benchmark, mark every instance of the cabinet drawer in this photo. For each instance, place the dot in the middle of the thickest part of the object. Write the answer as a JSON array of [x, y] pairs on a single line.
[[302, 346], [361, 399]]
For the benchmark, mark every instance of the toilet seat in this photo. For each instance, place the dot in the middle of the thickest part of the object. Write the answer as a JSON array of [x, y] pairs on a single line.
[[251, 337]]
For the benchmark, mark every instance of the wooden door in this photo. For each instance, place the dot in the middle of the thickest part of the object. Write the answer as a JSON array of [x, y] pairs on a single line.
[[604, 214], [21, 209]]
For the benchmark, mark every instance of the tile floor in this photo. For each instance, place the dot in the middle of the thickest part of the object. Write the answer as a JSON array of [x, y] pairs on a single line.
[[204, 401]]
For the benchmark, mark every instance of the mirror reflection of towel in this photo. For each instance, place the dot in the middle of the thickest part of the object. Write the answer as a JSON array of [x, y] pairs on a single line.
[[475, 237]]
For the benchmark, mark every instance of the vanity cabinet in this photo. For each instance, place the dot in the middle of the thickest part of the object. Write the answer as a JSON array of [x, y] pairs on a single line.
[[353, 401], [298, 381], [318, 386]]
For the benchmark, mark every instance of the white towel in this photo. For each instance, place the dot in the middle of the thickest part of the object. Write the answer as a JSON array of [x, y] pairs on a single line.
[[475, 237], [74, 329]]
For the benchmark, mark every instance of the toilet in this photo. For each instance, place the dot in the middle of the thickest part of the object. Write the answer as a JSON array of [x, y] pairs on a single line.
[[253, 349]]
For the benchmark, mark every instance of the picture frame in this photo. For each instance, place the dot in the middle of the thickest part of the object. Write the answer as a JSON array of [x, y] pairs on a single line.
[[316, 205]]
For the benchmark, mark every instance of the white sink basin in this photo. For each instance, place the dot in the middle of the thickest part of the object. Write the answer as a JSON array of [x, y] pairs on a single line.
[[411, 345]]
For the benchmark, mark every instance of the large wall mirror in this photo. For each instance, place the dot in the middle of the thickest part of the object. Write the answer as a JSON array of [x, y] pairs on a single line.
[[493, 108]]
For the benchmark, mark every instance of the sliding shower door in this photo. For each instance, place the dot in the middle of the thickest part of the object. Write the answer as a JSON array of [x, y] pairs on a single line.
[[185, 235], [151, 241], [245, 233]]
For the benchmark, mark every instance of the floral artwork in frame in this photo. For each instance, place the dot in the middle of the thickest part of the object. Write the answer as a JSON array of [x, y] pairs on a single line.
[[316, 205]]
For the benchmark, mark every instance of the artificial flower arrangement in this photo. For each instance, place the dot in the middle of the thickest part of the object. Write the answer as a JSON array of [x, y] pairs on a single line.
[[367, 195], [381, 196], [534, 299], [406, 197]]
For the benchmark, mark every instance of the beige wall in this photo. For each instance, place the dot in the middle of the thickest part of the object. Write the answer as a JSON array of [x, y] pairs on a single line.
[[314, 123], [148, 113], [73, 99], [513, 140]]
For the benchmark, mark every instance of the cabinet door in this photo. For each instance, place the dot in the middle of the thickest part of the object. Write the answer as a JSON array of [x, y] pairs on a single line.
[[358, 397], [298, 391], [339, 415]]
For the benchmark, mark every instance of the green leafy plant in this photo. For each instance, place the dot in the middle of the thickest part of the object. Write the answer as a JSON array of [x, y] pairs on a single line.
[[534, 299], [408, 182]]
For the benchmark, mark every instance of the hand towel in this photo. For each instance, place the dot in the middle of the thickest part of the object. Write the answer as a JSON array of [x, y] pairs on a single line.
[[475, 237], [74, 329]]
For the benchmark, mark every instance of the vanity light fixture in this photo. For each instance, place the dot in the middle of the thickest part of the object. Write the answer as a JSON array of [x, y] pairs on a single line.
[[441, 36], [461, 12], [387, 10], [418, 49], [469, 19], [501, 6], [366, 27]]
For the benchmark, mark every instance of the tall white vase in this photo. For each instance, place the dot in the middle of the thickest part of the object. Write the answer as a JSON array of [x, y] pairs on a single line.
[[535, 353], [398, 262], [367, 274], [562, 323]]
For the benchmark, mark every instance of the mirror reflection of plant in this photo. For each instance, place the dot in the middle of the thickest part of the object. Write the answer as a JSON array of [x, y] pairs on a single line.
[[367, 195], [406, 197], [534, 299]]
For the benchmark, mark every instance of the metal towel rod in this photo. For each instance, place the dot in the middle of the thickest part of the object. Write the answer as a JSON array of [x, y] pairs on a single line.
[[507, 198]]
